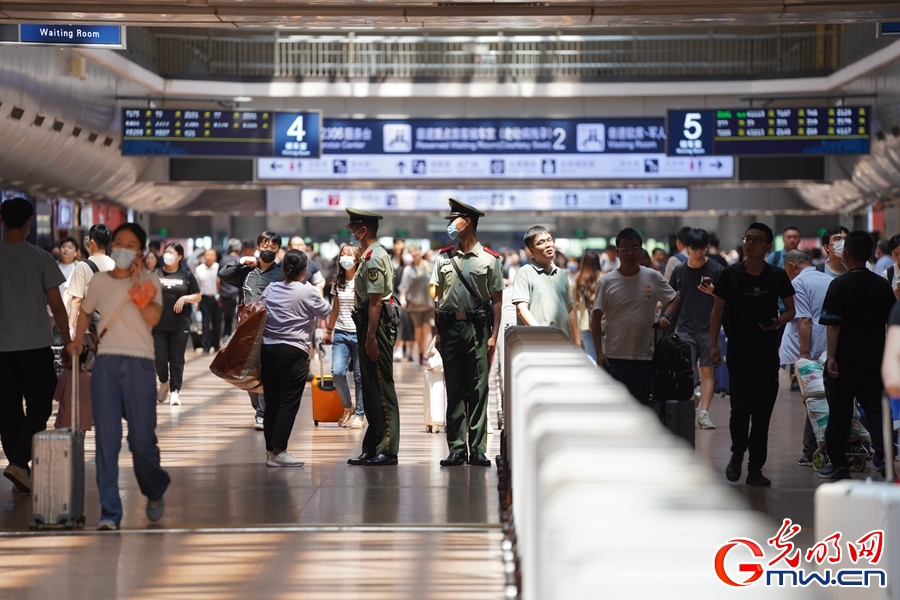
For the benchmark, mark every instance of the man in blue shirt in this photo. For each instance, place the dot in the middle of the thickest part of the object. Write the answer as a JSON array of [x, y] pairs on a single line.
[[791, 239]]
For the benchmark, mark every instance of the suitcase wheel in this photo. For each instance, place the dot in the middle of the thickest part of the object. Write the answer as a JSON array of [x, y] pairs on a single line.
[[859, 463], [316, 422], [818, 460], [437, 429]]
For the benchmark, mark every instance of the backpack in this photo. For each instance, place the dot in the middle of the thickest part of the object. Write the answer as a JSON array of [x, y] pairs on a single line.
[[890, 274], [820, 267], [672, 371]]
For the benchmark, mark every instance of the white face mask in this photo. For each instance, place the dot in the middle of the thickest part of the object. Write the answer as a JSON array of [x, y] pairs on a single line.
[[407, 259], [347, 261], [123, 257], [170, 259], [838, 248]]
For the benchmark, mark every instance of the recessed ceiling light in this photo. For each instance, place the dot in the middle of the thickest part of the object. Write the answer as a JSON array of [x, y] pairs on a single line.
[[243, 99]]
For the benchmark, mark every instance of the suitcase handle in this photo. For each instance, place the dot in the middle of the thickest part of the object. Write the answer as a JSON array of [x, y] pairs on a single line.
[[76, 405]]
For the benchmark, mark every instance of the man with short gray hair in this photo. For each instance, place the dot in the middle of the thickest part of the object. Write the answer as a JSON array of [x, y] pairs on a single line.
[[803, 336]]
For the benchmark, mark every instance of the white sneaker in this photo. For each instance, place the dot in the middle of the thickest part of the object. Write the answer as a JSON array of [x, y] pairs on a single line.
[[163, 392], [703, 420], [174, 400], [258, 424], [398, 356], [356, 423], [283, 460]]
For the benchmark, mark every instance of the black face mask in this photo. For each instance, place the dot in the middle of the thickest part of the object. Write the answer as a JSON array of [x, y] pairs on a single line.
[[267, 256]]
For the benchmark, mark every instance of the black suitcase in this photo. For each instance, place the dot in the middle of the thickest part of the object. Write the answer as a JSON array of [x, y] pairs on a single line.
[[680, 418]]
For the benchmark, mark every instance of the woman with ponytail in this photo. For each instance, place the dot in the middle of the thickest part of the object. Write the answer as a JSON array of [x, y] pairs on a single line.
[[293, 310]]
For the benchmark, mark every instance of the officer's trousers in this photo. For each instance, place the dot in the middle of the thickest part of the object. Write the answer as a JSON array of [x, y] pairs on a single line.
[[379, 396], [465, 355]]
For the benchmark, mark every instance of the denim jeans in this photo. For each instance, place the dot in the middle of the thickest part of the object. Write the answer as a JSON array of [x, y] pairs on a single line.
[[123, 386], [344, 354]]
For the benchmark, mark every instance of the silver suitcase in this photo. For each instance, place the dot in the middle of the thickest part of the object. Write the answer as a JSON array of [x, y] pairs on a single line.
[[57, 470]]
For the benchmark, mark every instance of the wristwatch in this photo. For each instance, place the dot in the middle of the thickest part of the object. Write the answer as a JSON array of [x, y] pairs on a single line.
[[665, 316]]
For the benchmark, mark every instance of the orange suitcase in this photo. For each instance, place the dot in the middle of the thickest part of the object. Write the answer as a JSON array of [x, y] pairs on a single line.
[[326, 402]]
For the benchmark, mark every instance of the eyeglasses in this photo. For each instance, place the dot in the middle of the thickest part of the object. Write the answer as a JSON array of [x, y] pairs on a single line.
[[747, 239], [630, 250], [543, 242]]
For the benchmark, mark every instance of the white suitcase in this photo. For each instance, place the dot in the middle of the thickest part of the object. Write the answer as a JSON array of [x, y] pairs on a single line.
[[57, 471], [434, 401]]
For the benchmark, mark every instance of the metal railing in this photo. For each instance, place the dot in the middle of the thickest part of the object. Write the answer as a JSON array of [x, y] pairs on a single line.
[[714, 54]]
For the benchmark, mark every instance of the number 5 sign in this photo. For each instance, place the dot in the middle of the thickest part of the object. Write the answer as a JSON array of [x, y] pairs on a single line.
[[298, 135], [689, 133]]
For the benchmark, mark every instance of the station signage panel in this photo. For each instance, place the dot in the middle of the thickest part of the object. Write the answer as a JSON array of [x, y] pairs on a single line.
[[202, 132], [774, 131], [889, 28], [75, 36], [556, 200]]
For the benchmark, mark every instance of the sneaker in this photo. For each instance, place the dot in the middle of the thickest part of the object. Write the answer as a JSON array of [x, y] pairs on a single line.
[[20, 478], [805, 461], [258, 424], [155, 509], [107, 525], [755, 477], [163, 392], [356, 423], [283, 460], [174, 400], [733, 470], [704, 422], [829, 471]]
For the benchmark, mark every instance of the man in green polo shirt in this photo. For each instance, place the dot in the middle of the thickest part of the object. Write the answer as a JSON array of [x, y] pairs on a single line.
[[541, 290], [376, 320], [468, 282]]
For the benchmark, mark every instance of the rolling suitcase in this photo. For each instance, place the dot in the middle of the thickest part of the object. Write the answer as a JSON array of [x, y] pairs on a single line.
[[326, 402], [680, 418], [435, 401], [721, 372], [57, 476]]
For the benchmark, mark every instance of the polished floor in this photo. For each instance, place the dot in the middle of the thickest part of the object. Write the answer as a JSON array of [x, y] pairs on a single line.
[[234, 528]]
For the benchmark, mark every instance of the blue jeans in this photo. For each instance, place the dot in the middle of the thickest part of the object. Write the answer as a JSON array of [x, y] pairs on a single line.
[[344, 353], [123, 386], [587, 342]]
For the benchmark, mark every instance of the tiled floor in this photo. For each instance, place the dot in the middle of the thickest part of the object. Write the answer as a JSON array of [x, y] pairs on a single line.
[[234, 528]]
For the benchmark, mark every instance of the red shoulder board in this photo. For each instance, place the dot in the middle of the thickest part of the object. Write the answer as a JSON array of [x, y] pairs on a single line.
[[368, 255], [491, 252], [446, 249]]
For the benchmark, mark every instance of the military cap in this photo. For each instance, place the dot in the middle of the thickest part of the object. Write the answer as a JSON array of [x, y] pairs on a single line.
[[459, 209], [359, 216]]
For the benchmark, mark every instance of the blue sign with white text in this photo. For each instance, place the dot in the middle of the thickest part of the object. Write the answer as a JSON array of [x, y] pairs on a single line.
[[494, 136], [72, 35], [297, 135]]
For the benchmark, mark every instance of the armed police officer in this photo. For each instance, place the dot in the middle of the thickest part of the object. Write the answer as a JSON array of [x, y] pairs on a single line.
[[376, 318], [468, 280]]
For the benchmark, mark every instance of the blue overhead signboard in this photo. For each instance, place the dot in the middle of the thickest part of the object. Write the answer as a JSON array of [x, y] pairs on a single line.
[[780, 131], [494, 136], [200, 132], [90, 36], [889, 28]]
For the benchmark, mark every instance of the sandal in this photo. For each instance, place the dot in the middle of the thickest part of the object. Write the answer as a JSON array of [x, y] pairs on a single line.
[[345, 418]]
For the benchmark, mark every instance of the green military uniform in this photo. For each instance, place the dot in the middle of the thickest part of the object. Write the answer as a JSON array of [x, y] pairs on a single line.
[[375, 275], [464, 336]]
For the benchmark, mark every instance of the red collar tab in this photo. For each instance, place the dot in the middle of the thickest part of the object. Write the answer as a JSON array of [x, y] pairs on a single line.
[[368, 255], [446, 249], [491, 252]]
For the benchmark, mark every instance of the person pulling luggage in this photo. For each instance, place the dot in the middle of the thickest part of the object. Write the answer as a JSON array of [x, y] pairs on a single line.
[[468, 280], [376, 318]]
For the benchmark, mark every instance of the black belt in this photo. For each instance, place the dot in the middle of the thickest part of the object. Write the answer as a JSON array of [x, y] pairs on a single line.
[[460, 315]]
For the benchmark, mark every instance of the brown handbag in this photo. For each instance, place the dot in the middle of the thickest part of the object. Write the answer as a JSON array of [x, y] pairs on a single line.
[[238, 363]]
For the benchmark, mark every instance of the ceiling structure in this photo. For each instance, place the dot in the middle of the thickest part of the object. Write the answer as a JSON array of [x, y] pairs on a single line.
[[470, 14]]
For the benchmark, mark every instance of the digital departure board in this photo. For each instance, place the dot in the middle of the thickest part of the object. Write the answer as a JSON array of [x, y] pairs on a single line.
[[183, 132], [811, 130]]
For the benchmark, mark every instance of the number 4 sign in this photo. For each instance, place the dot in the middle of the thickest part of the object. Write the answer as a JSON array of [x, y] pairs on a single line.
[[298, 135]]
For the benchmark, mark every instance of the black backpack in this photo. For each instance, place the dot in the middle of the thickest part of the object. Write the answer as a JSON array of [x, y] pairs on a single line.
[[673, 373]]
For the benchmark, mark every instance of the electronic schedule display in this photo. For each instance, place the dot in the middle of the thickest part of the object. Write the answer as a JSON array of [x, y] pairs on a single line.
[[203, 132], [786, 131]]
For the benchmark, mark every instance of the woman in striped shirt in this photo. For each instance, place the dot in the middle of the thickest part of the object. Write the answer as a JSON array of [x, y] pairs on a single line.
[[341, 333]]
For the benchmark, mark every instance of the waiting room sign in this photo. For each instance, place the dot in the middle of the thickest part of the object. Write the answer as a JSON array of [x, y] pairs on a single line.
[[73, 36]]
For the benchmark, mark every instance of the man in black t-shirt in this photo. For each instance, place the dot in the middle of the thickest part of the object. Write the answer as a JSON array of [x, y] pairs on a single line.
[[856, 310], [750, 290]]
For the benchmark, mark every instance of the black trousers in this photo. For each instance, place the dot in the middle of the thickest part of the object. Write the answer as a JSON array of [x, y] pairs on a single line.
[[635, 375], [29, 374], [229, 315], [169, 348], [212, 322], [866, 386], [284, 370], [753, 374]]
